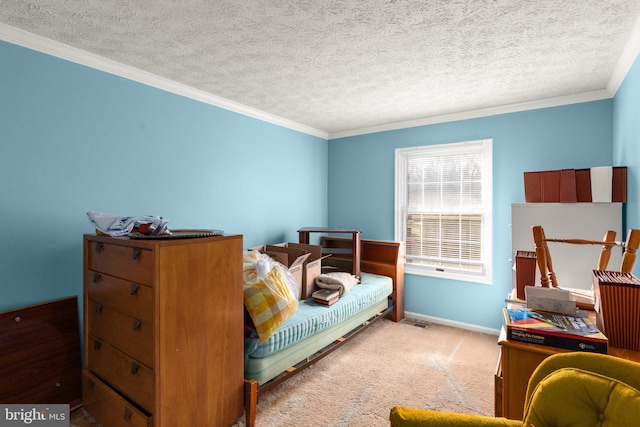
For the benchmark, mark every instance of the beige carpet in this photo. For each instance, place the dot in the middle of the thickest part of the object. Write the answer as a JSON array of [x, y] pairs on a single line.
[[434, 367]]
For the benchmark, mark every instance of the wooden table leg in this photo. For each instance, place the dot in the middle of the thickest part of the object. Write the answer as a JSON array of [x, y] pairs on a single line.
[[605, 254], [629, 256], [541, 255]]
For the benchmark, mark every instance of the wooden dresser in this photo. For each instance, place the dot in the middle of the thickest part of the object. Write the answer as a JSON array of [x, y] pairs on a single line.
[[163, 335]]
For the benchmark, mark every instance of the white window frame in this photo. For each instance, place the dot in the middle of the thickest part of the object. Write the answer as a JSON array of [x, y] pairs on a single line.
[[401, 159]]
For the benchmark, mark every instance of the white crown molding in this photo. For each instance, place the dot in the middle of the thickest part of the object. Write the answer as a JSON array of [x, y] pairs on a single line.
[[628, 57], [484, 112], [50, 47]]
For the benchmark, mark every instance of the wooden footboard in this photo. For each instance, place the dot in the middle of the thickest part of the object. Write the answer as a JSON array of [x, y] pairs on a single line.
[[377, 257], [250, 401]]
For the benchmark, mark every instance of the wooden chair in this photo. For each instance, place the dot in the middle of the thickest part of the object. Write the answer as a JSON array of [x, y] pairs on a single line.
[[543, 256], [631, 247]]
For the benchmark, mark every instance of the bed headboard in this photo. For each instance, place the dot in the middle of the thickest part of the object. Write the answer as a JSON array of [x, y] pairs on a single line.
[[376, 257]]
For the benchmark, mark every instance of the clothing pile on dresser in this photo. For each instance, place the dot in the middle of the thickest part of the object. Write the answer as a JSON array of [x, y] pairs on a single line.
[[115, 226]]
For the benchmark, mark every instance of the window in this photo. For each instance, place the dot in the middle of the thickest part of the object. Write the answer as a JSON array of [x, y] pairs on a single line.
[[443, 209]]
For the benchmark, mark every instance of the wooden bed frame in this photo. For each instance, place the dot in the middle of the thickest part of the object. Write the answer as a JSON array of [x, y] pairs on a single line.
[[377, 257]]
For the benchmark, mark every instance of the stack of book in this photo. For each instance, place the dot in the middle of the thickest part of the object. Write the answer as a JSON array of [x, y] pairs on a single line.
[[555, 330], [326, 296]]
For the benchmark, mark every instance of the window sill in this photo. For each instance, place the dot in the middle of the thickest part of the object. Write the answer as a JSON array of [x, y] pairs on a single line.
[[449, 275]]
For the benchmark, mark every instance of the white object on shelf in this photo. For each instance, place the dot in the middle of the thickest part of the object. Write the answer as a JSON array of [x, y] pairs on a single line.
[[601, 184], [550, 299]]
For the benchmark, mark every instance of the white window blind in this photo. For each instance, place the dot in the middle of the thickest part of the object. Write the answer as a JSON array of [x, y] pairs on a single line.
[[443, 209]]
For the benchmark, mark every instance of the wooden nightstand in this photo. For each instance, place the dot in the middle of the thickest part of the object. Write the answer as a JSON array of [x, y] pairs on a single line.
[[344, 258], [517, 362]]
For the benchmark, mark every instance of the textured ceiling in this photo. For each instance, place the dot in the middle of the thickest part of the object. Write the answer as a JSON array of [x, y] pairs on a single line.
[[340, 65]]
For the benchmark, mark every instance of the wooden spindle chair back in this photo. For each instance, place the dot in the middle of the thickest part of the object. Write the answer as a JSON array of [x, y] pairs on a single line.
[[543, 256]]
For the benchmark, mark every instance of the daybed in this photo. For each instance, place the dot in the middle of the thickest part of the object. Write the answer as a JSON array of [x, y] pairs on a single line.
[[314, 331]]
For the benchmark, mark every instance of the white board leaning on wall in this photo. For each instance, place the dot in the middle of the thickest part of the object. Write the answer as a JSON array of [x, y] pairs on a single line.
[[572, 264]]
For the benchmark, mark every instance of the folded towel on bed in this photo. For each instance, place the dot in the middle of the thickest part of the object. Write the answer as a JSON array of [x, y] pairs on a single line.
[[337, 280]]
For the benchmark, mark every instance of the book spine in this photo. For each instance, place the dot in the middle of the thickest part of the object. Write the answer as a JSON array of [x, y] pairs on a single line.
[[536, 337]]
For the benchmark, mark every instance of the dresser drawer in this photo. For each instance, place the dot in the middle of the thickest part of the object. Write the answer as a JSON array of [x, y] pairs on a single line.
[[127, 375], [127, 297], [108, 407], [126, 262], [130, 335]]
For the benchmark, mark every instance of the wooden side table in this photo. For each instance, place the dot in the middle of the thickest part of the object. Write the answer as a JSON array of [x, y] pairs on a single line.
[[517, 362], [354, 251]]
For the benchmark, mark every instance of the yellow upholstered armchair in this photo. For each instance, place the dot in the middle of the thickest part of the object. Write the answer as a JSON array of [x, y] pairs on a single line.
[[568, 389]]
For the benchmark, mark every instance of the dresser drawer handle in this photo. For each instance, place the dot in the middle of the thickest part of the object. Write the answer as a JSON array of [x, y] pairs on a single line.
[[128, 413], [99, 308], [137, 324], [96, 277], [99, 246], [91, 383], [97, 345], [134, 368], [134, 289], [136, 253]]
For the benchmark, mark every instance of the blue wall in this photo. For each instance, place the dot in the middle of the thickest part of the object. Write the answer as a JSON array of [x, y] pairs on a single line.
[[361, 189], [626, 143], [74, 139]]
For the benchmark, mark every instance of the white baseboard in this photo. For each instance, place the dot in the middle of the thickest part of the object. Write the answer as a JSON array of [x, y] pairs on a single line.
[[452, 323]]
